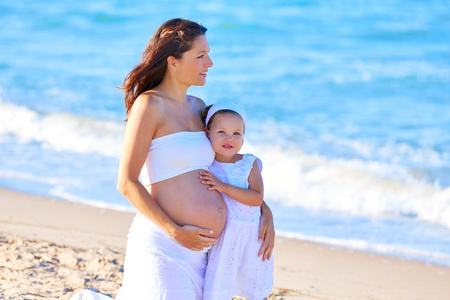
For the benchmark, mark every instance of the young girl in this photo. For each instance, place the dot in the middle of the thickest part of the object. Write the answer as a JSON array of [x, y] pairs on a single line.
[[234, 268]]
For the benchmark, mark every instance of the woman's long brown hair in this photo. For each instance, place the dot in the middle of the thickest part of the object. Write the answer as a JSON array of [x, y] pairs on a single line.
[[172, 38]]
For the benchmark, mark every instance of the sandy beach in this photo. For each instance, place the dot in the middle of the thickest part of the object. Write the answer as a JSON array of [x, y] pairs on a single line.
[[49, 249]]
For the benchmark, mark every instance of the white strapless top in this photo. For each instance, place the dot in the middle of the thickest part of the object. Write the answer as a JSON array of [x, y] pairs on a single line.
[[175, 154]]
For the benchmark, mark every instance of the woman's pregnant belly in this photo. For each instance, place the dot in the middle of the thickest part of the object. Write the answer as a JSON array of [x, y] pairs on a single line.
[[187, 202]]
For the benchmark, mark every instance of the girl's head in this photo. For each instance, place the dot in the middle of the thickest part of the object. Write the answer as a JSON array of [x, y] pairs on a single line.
[[225, 124], [172, 39]]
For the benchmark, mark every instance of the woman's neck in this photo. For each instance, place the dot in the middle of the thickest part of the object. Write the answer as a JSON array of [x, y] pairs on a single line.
[[171, 89]]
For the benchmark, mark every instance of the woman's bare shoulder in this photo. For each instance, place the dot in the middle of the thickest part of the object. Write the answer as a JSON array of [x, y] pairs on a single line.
[[151, 98], [149, 103], [196, 102]]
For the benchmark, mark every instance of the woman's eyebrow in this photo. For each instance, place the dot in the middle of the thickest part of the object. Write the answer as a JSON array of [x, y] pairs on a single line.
[[201, 51]]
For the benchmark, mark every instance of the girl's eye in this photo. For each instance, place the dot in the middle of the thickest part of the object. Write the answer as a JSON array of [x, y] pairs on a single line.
[[236, 133], [221, 131]]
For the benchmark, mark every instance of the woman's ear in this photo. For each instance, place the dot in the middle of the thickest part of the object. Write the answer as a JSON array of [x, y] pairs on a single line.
[[207, 132], [172, 63]]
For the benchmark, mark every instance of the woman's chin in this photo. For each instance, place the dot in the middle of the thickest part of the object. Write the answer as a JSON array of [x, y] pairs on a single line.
[[200, 82]]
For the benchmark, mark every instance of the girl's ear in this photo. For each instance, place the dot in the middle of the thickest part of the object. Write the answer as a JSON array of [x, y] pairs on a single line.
[[207, 132], [172, 63]]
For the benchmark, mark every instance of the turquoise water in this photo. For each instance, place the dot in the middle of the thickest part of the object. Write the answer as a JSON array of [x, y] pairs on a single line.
[[349, 108]]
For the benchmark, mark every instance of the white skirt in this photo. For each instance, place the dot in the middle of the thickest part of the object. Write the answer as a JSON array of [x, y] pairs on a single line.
[[156, 267], [234, 268]]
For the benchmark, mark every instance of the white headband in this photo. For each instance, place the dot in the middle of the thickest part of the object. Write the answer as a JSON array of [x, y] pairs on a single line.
[[224, 105]]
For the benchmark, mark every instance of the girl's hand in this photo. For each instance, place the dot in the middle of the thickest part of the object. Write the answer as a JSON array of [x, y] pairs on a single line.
[[266, 232], [208, 178], [194, 238]]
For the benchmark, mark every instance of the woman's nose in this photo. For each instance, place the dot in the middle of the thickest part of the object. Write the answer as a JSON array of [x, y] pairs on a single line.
[[209, 62]]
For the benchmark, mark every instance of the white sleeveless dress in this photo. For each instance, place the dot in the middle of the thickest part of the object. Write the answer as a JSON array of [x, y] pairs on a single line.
[[234, 268]]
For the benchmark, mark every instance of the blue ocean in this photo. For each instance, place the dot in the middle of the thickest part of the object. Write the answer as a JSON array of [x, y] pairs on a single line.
[[348, 105]]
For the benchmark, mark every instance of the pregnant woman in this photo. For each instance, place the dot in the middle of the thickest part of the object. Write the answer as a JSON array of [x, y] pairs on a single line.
[[165, 144]]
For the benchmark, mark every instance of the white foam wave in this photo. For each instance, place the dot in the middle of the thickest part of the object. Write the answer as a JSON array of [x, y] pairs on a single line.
[[359, 187], [62, 131]]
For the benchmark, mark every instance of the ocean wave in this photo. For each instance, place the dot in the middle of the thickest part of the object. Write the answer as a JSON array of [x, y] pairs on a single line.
[[374, 182], [354, 186], [62, 131]]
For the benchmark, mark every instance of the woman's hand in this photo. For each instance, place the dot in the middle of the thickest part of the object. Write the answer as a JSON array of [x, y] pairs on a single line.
[[194, 238], [266, 232], [208, 178]]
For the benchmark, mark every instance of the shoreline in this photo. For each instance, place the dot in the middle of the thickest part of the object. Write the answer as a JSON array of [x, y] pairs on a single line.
[[303, 269], [328, 242]]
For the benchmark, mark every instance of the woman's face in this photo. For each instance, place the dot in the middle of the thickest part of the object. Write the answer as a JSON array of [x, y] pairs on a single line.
[[192, 67]]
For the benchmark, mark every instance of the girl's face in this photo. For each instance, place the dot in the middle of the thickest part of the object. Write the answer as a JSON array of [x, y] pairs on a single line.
[[226, 135], [192, 67]]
